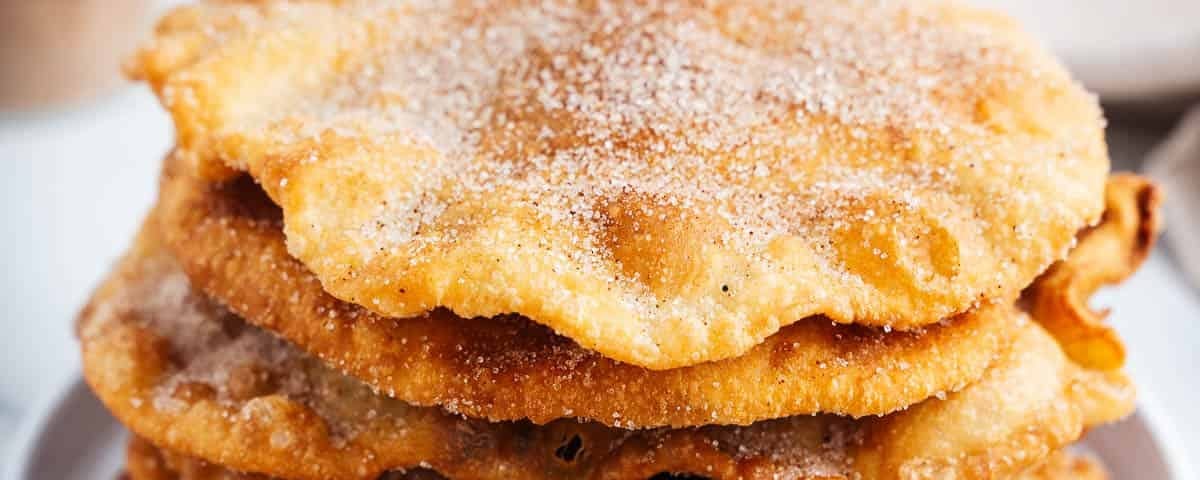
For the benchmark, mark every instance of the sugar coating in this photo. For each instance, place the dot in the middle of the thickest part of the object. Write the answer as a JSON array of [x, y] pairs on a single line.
[[665, 182]]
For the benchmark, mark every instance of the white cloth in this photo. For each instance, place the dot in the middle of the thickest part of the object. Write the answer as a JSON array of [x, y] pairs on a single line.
[[1175, 164], [1121, 49]]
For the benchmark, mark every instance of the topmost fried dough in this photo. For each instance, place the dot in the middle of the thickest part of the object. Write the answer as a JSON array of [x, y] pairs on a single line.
[[665, 182]]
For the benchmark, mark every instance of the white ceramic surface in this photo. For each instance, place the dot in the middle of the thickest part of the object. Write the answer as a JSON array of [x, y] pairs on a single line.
[[71, 437], [1122, 49]]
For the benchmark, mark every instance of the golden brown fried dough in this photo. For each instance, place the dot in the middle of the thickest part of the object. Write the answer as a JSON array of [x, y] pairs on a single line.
[[666, 183], [144, 461], [1105, 255], [228, 240], [1066, 465], [183, 373], [147, 462]]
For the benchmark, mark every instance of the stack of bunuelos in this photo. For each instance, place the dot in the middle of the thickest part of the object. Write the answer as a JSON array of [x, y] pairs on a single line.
[[491, 239]]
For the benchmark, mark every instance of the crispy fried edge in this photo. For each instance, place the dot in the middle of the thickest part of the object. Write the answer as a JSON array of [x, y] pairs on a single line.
[[144, 461], [1106, 255]]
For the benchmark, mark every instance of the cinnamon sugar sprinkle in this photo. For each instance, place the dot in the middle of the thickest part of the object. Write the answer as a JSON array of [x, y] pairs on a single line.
[[561, 107]]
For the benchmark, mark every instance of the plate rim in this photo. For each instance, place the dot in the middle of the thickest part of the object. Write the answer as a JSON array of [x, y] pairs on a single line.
[[1168, 439], [31, 426], [1122, 76]]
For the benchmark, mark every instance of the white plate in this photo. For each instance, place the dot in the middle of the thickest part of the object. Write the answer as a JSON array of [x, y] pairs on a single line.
[[1121, 49], [76, 438], [72, 437]]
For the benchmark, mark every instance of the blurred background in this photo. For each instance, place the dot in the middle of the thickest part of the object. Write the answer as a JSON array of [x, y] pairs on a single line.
[[80, 150]]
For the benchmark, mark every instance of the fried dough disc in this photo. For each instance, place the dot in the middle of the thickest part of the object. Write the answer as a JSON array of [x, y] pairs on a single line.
[[665, 183], [227, 238], [144, 461], [147, 462], [183, 373]]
